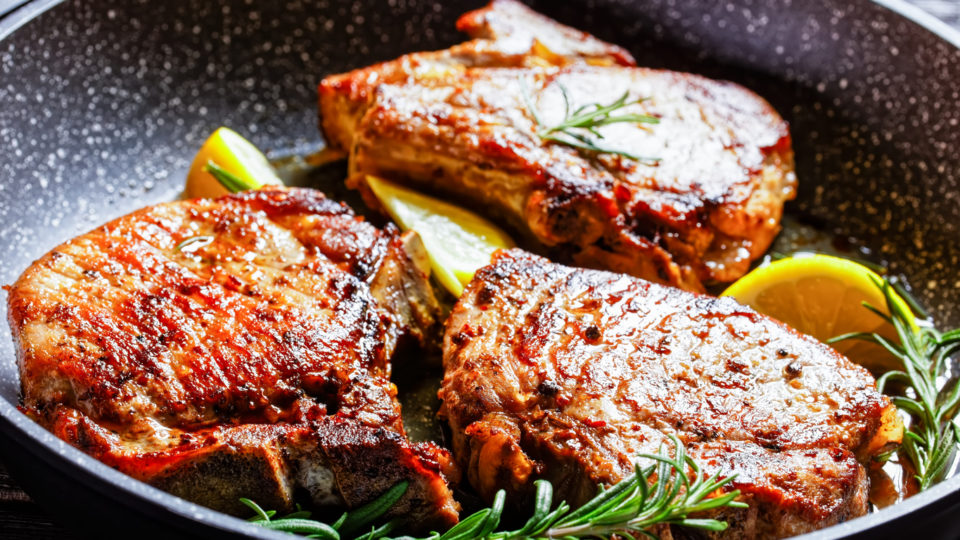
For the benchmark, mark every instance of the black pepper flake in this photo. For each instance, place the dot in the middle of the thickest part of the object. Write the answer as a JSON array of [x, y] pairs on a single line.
[[592, 333], [548, 388], [485, 295], [793, 370]]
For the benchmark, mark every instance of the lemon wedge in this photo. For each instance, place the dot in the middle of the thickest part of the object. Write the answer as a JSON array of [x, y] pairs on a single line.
[[823, 296], [457, 241], [234, 154]]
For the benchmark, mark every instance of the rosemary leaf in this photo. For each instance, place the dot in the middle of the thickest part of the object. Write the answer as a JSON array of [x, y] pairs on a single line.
[[579, 128], [261, 515], [228, 180], [364, 516], [379, 532], [932, 440], [310, 527]]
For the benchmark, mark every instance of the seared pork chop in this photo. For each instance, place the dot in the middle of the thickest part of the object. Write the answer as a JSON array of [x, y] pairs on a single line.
[[462, 123], [237, 347], [702, 213], [506, 33], [567, 374]]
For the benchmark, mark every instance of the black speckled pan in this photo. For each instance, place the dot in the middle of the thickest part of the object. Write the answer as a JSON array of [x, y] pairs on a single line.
[[102, 106]]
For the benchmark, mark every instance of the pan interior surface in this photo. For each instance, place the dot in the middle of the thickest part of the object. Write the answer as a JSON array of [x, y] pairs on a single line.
[[102, 108]]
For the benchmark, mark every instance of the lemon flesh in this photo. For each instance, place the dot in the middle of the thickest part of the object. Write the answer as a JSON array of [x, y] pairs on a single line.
[[236, 155], [822, 296], [457, 241]]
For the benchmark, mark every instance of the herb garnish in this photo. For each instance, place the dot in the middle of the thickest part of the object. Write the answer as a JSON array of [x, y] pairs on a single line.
[[577, 126], [923, 352], [661, 493], [227, 179], [349, 523]]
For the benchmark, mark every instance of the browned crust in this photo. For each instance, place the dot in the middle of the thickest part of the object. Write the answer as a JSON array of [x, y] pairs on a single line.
[[269, 462], [566, 374], [229, 367], [444, 121], [522, 31], [506, 34], [702, 214]]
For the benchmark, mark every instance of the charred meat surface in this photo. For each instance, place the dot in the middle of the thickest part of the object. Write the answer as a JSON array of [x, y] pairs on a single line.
[[709, 206], [506, 34], [463, 123], [567, 374], [237, 347]]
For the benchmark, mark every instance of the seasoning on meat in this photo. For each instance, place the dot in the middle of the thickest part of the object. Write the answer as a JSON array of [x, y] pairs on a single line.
[[568, 374], [237, 347], [460, 123]]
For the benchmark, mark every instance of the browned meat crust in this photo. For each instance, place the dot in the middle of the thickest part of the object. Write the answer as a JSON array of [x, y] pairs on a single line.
[[506, 33], [533, 39], [457, 123], [565, 374], [703, 212], [236, 347]]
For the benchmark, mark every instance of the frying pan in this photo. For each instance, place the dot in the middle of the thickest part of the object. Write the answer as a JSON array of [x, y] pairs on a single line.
[[103, 105]]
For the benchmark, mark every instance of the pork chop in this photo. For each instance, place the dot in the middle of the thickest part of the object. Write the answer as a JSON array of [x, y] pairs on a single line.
[[237, 347], [703, 212], [568, 374], [506, 33], [466, 125]]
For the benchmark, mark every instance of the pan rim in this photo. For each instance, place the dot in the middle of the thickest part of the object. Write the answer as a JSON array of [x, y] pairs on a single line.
[[22, 14], [115, 485], [66, 459]]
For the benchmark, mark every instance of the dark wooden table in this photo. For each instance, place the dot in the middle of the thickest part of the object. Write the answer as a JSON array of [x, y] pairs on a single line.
[[22, 519]]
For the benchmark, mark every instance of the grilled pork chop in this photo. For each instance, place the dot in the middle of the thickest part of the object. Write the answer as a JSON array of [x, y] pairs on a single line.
[[506, 33], [237, 347], [566, 374], [463, 123]]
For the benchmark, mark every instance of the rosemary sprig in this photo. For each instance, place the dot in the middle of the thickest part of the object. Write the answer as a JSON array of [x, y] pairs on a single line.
[[349, 523], [227, 179], [579, 128], [923, 351], [661, 493]]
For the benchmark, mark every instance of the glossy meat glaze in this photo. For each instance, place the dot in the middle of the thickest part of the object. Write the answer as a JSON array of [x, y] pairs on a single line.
[[505, 33], [237, 347], [464, 123], [567, 374]]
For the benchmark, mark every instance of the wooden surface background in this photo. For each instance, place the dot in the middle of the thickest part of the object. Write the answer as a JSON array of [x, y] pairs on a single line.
[[22, 519]]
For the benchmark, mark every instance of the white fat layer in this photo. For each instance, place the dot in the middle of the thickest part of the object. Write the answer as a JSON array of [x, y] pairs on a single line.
[[319, 481]]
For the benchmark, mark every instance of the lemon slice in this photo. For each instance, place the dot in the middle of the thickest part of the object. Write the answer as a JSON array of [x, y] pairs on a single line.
[[457, 241], [235, 155], [823, 296]]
